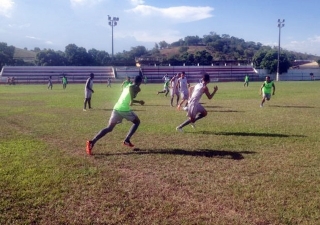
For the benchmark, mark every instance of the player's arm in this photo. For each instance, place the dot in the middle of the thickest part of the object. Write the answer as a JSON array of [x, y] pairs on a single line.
[[274, 88], [134, 90], [206, 91], [178, 84], [88, 86], [190, 91], [261, 88]]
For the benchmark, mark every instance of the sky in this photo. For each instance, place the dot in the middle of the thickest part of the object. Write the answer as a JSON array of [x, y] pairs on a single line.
[[54, 24]]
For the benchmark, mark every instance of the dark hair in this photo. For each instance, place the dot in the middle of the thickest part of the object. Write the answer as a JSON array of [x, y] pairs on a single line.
[[206, 77]]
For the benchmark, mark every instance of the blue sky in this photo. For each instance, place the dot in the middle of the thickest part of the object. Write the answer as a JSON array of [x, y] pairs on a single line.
[[56, 23]]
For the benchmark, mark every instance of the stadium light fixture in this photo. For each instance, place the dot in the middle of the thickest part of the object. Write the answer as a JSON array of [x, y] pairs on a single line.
[[280, 25], [112, 22]]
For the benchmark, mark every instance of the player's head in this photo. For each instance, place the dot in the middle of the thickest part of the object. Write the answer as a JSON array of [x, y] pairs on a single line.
[[206, 78], [267, 78], [138, 80], [183, 74], [92, 75]]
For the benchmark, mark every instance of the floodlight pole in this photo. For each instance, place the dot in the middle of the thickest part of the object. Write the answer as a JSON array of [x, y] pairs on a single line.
[[280, 25], [112, 22]]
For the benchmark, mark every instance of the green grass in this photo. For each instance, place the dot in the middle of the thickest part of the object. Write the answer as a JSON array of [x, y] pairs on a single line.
[[241, 165]]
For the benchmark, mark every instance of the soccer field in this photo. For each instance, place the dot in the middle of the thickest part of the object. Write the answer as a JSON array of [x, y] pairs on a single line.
[[242, 164]]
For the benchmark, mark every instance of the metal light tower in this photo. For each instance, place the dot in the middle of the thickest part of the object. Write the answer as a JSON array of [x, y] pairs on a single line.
[[113, 22], [280, 25]]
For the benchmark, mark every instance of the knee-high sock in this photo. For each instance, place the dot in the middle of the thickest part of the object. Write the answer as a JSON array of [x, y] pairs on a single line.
[[199, 116], [102, 133], [185, 123], [132, 130]]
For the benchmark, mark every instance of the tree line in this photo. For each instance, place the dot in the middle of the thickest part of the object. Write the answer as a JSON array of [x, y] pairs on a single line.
[[215, 48]]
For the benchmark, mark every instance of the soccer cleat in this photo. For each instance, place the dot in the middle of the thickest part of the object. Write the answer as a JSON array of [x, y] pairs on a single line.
[[128, 143], [193, 125], [89, 147], [179, 129], [261, 106], [84, 110]]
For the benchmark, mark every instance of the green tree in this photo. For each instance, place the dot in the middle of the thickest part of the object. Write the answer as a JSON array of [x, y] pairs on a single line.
[[99, 58], [6, 55], [203, 57], [50, 58], [269, 60], [192, 40], [163, 44], [77, 56]]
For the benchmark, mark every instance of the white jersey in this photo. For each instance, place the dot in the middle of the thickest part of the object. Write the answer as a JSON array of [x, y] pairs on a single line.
[[194, 107], [183, 84], [88, 92], [89, 84], [174, 83], [197, 93]]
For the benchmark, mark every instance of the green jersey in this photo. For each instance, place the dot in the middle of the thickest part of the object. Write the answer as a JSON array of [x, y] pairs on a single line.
[[123, 103], [64, 80], [246, 78], [126, 83], [267, 87], [166, 84]]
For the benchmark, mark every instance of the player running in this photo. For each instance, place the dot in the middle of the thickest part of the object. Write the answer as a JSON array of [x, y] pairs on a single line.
[[165, 85], [195, 110], [121, 110], [174, 88], [183, 85], [266, 90]]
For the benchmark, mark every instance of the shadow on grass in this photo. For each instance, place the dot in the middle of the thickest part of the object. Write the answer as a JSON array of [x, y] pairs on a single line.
[[249, 134], [224, 111], [235, 155], [292, 106]]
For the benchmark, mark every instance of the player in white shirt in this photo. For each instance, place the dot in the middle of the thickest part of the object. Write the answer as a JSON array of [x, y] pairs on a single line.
[[88, 92], [195, 110], [183, 85], [174, 89]]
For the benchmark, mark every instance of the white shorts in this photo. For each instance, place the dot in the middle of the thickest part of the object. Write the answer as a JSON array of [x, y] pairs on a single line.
[[194, 109], [174, 91], [184, 94], [117, 116], [87, 94]]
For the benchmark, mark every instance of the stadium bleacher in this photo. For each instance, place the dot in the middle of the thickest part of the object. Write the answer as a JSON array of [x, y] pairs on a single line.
[[79, 74], [40, 74], [193, 73]]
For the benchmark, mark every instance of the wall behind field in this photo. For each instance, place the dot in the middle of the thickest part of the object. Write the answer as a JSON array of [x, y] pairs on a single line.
[[293, 74]]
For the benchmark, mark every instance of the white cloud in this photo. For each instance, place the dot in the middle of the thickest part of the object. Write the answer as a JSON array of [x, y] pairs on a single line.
[[19, 26], [177, 14], [31, 37], [146, 36], [137, 2], [6, 7], [315, 39], [75, 3], [310, 45], [39, 40]]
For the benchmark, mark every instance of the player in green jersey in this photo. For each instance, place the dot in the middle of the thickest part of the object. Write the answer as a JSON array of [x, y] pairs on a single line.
[[120, 111], [246, 81], [265, 90]]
